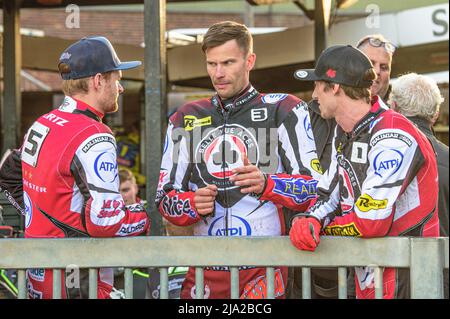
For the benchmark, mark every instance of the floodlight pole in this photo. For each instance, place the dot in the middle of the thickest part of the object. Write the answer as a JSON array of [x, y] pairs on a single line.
[[321, 21], [12, 64], [155, 101]]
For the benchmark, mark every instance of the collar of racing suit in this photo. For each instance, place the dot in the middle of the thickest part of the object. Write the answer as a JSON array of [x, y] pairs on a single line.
[[88, 110], [377, 108], [246, 95]]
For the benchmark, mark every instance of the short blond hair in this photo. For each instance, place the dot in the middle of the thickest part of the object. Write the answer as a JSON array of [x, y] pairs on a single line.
[[79, 86], [126, 175]]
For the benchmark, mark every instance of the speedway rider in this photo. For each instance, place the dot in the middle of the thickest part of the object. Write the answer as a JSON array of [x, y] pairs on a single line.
[[216, 150]]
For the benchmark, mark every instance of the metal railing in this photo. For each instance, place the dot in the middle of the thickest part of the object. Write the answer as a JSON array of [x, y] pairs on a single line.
[[426, 258]]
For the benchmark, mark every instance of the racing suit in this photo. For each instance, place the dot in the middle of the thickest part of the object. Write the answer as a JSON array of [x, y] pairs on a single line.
[[382, 181], [71, 188], [205, 140]]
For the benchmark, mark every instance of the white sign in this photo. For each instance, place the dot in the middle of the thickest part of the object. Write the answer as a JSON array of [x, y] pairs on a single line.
[[423, 25], [405, 28]]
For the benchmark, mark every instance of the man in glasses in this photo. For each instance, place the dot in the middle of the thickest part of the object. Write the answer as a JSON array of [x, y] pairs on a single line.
[[380, 52]]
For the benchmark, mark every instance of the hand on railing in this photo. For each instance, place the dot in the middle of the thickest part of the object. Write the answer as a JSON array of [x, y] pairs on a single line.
[[304, 233]]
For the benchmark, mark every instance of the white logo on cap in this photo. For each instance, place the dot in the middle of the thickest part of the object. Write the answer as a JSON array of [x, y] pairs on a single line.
[[65, 56], [301, 74]]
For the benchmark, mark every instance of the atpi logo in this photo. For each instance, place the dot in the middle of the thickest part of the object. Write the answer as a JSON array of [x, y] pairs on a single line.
[[273, 98], [387, 162], [28, 209], [308, 128], [237, 227], [105, 167]]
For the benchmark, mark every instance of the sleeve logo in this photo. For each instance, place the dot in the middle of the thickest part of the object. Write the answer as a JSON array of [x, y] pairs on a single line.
[[273, 98], [365, 203], [28, 209], [105, 167], [387, 162], [315, 165], [176, 207], [308, 128], [299, 189]]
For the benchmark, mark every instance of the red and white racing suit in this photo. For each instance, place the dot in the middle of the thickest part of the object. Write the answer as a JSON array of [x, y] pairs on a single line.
[[205, 140], [71, 188], [382, 181]]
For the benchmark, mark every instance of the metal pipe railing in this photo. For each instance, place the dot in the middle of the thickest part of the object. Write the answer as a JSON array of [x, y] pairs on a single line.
[[426, 257]]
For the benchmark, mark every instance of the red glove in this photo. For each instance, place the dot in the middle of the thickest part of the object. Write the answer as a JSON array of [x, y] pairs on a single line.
[[304, 233]]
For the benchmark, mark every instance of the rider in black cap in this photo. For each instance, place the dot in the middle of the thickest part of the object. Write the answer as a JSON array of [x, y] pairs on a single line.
[[382, 180]]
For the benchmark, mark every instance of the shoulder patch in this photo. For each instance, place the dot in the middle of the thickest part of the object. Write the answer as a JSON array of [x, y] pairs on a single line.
[[273, 98], [302, 105]]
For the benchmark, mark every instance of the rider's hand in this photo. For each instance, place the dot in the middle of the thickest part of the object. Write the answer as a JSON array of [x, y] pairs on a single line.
[[249, 178], [304, 233], [204, 199]]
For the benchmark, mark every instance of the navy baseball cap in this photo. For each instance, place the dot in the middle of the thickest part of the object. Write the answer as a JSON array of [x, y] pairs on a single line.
[[341, 64], [90, 56]]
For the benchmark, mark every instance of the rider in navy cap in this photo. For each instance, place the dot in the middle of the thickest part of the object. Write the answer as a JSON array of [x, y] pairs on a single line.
[[90, 56]]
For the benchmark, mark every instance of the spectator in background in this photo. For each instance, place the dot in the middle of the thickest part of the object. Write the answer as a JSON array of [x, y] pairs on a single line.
[[128, 187], [128, 151], [382, 180], [418, 98], [380, 52]]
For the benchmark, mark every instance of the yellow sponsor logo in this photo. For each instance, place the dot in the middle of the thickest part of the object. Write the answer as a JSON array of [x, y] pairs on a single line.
[[191, 122], [343, 230], [315, 164], [365, 203]]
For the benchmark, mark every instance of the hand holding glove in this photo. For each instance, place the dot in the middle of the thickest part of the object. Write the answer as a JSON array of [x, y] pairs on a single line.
[[304, 233]]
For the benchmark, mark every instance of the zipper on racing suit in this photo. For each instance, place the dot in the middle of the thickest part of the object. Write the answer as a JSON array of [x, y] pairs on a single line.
[[226, 110]]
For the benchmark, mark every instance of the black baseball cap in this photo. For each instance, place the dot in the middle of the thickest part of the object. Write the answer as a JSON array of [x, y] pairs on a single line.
[[342, 64], [90, 56]]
